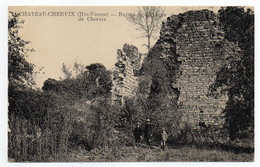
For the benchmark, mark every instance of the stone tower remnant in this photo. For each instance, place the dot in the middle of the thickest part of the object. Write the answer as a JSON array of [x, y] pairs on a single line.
[[195, 38]]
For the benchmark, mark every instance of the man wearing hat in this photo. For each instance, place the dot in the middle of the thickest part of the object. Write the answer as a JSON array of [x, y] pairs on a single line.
[[137, 133], [148, 133]]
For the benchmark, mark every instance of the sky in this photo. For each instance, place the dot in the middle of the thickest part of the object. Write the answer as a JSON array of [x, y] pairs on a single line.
[[65, 39]]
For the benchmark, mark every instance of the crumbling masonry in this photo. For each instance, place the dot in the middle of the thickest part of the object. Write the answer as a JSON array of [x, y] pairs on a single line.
[[196, 40], [125, 83]]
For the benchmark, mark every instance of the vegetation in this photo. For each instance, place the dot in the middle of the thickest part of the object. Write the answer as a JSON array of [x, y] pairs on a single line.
[[20, 71], [236, 77], [141, 154]]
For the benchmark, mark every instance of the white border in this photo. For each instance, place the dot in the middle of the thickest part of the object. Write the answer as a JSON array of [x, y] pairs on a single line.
[[4, 79]]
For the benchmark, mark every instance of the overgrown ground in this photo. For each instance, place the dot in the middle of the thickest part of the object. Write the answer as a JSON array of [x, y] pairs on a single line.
[[143, 154]]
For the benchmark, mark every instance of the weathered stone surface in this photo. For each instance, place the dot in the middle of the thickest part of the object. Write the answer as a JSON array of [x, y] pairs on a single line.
[[197, 41], [125, 83]]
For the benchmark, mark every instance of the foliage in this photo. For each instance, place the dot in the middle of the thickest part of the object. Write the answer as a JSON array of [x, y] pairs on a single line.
[[75, 72], [94, 82], [154, 67], [100, 78], [236, 77], [66, 71], [132, 53], [43, 124], [20, 71], [231, 19], [30, 104], [24, 101], [147, 19], [105, 117], [155, 98]]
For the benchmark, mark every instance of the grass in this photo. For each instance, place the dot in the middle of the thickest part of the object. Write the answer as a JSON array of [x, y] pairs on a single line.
[[142, 154]]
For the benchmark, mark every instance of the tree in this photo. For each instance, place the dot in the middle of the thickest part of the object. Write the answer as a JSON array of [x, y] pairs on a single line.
[[236, 77], [93, 82], [133, 54], [77, 70], [100, 79], [147, 19], [28, 107], [20, 71], [66, 71]]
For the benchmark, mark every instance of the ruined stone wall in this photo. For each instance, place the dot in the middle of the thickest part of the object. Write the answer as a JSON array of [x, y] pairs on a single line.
[[125, 83], [197, 41], [195, 44]]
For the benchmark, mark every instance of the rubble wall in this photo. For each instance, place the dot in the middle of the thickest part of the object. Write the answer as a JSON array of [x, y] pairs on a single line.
[[197, 41], [125, 83]]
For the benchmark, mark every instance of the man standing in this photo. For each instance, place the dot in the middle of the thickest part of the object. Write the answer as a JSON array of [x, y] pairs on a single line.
[[137, 133], [148, 133]]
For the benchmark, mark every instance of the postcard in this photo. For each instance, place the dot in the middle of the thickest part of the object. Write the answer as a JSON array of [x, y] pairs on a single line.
[[131, 84]]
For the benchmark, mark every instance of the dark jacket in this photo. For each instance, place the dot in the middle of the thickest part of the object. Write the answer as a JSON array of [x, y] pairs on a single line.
[[148, 131], [138, 131]]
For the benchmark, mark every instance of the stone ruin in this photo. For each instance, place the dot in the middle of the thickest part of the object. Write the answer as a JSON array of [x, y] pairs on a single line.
[[124, 81], [197, 43], [196, 40]]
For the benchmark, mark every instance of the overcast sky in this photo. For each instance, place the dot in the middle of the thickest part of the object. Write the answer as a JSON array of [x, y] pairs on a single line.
[[61, 39]]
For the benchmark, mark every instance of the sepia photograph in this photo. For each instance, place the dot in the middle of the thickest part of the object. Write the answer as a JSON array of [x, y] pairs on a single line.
[[131, 84]]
